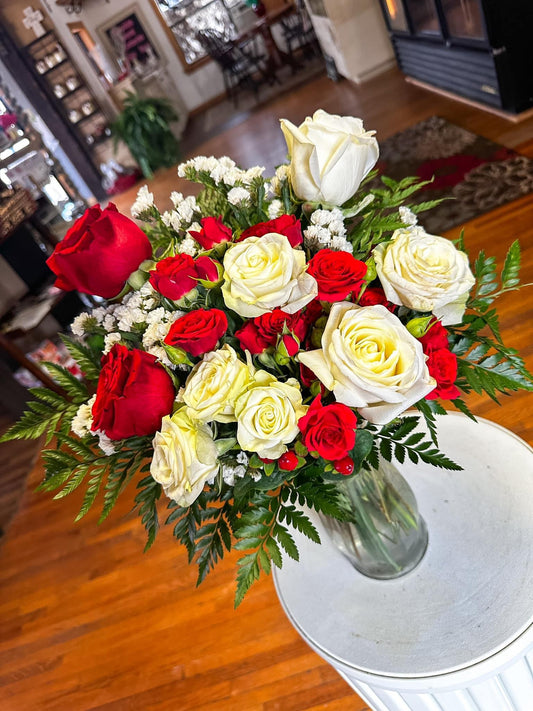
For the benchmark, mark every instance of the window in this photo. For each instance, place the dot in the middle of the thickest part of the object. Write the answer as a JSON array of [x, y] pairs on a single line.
[[184, 18]]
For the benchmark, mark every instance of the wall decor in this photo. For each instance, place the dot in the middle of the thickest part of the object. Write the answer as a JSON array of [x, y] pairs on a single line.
[[126, 40]]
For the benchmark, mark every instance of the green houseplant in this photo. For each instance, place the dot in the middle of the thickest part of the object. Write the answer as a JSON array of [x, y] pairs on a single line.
[[144, 126]]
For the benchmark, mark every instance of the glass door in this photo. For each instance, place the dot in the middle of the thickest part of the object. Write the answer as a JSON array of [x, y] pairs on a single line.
[[424, 17], [464, 19], [396, 15]]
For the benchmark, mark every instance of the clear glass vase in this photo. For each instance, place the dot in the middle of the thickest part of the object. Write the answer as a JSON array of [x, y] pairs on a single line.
[[385, 537]]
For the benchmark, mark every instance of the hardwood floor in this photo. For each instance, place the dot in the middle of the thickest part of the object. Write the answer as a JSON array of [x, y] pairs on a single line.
[[87, 622]]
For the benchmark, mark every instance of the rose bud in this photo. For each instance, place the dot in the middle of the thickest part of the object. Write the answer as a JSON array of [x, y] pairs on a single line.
[[213, 232], [99, 253], [288, 462]]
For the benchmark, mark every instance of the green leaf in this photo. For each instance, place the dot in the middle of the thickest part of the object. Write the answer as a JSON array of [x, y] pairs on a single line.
[[511, 267], [146, 501], [88, 361]]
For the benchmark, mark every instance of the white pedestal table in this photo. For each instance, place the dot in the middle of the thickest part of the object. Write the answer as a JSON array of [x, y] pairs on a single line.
[[456, 633]]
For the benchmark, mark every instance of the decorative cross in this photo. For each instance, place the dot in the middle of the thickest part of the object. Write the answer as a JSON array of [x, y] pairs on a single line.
[[32, 21]]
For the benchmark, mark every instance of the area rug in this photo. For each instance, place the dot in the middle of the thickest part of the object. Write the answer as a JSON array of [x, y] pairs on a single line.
[[475, 172]]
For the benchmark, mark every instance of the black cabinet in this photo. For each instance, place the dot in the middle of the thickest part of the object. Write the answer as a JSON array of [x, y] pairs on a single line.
[[479, 49]]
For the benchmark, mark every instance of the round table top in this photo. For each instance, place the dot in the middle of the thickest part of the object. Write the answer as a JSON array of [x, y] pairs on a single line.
[[472, 593]]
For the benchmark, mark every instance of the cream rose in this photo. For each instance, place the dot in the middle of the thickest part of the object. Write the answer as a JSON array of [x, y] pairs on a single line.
[[261, 273], [330, 155], [214, 384], [425, 273], [370, 361], [185, 456], [267, 414]]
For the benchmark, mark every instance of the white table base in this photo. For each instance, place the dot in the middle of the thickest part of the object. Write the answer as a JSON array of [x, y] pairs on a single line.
[[456, 633]]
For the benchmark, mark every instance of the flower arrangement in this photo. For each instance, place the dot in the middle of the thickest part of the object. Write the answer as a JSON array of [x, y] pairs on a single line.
[[263, 341]]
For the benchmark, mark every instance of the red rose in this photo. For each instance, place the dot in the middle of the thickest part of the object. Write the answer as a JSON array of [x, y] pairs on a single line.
[[213, 232], [328, 430], [287, 225], [134, 393], [99, 253], [372, 296], [206, 268], [262, 332], [174, 277], [198, 331], [338, 274], [435, 338], [442, 365]]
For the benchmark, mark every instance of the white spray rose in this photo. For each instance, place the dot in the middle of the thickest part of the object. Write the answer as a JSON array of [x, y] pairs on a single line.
[[425, 273], [261, 273], [267, 413], [370, 361], [330, 155], [185, 457], [214, 384]]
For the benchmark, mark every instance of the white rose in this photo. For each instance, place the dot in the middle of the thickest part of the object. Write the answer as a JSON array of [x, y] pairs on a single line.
[[214, 384], [370, 361], [267, 413], [425, 273], [261, 273], [330, 155], [185, 456]]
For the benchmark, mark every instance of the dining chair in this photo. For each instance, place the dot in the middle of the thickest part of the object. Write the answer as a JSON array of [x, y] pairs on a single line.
[[241, 64], [299, 34]]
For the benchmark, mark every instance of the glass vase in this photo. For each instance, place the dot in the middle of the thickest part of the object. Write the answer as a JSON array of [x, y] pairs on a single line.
[[385, 536]]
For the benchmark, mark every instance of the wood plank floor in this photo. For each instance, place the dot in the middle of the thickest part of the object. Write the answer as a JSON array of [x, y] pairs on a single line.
[[89, 623]]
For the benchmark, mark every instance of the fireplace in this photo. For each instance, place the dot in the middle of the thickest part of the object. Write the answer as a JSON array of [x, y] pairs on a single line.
[[479, 49]]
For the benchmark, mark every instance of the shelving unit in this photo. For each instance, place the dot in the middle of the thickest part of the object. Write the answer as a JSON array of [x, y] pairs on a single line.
[[66, 89]]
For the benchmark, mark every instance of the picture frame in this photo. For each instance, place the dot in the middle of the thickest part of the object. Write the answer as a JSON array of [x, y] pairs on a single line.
[[127, 40]]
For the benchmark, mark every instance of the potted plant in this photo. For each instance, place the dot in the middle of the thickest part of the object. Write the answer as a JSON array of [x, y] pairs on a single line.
[[144, 126]]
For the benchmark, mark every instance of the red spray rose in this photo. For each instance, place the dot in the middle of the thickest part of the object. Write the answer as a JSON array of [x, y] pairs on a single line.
[[435, 338], [442, 365], [99, 253], [213, 232], [262, 332], [134, 393], [328, 430], [174, 277], [198, 331], [338, 274], [286, 225]]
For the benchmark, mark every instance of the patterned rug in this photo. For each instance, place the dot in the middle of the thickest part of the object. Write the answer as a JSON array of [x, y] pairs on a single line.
[[479, 174]]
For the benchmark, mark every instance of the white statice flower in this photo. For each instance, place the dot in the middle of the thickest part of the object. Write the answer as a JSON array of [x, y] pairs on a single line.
[[276, 183], [144, 201], [80, 323], [238, 196], [327, 230], [230, 473], [316, 237], [171, 218], [186, 209], [128, 317], [275, 209], [83, 419], [242, 458], [99, 314], [176, 198], [188, 246], [110, 340], [340, 244], [407, 216], [109, 323], [106, 445], [252, 174]]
